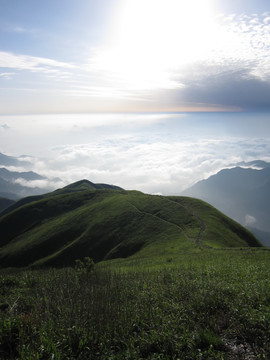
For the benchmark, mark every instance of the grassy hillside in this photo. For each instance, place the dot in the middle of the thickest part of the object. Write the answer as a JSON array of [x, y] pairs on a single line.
[[76, 221], [78, 186]]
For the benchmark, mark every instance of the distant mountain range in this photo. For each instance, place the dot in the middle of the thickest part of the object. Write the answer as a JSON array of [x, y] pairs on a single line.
[[12, 184], [106, 222], [6, 160], [241, 192], [16, 184]]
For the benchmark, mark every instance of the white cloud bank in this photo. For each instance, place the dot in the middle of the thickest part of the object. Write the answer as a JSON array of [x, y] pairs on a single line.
[[156, 167], [154, 153]]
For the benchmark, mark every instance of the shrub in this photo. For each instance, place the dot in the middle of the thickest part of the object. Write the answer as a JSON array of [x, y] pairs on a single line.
[[84, 266]]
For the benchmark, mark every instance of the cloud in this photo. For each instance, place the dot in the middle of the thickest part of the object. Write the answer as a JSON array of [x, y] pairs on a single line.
[[250, 220], [233, 88], [7, 75], [34, 64], [234, 73], [166, 167], [41, 184], [154, 153], [223, 66], [22, 30], [4, 127], [181, 56], [221, 63]]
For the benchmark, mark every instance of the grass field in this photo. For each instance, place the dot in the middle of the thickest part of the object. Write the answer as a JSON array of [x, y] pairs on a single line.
[[201, 304]]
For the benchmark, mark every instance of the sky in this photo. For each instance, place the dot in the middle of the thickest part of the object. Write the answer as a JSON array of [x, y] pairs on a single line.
[[152, 95], [134, 55]]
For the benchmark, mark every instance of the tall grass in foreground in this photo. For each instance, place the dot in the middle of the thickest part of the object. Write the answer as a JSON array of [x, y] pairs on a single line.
[[213, 306]]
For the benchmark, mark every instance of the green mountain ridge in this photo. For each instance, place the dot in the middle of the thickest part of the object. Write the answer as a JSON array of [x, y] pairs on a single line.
[[81, 185], [106, 222]]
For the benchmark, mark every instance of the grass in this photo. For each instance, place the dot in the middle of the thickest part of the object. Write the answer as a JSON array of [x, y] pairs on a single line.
[[106, 224], [209, 304]]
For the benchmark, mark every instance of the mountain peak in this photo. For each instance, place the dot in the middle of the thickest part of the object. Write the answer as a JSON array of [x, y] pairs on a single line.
[[85, 184]]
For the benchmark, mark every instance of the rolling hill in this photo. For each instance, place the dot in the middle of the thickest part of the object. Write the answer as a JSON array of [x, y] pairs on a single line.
[[106, 222]]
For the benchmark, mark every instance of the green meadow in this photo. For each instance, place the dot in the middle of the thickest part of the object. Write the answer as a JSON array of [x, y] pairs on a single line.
[[206, 304]]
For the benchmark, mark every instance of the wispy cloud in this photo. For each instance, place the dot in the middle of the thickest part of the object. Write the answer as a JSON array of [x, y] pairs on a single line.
[[34, 64], [48, 184], [23, 30], [4, 127], [7, 75]]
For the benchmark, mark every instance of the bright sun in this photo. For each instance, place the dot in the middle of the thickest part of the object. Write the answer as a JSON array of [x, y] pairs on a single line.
[[153, 37]]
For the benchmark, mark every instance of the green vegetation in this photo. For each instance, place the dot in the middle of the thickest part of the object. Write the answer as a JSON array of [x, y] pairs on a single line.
[[214, 304], [117, 275], [74, 222], [78, 186]]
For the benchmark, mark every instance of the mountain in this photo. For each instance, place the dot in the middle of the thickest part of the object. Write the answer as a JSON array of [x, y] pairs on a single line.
[[242, 193], [5, 203], [6, 160], [17, 184], [78, 186], [83, 185], [106, 222], [263, 236], [13, 184], [13, 175]]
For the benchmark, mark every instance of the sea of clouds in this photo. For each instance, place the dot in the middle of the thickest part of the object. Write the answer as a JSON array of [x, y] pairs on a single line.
[[153, 153]]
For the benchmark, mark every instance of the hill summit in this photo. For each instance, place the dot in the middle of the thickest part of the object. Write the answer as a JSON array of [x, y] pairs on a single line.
[[106, 222]]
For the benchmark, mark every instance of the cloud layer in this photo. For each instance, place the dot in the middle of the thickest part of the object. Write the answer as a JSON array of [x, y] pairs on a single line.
[[154, 153], [156, 167]]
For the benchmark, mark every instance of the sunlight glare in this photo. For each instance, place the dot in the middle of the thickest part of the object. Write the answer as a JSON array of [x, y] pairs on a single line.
[[153, 38]]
